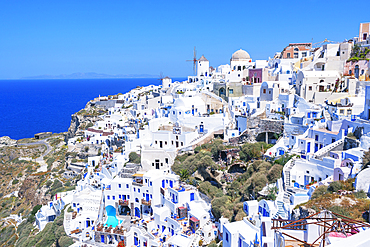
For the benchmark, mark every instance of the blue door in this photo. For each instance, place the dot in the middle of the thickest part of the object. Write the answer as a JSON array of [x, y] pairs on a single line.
[[309, 115], [308, 147], [173, 198], [201, 128], [192, 111], [172, 232], [87, 224], [191, 196], [136, 241], [316, 147], [102, 238], [163, 186], [171, 183], [147, 197], [137, 212]]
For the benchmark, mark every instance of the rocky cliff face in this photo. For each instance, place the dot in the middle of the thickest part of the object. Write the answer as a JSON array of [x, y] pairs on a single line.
[[80, 120], [75, 123], [7, 141]]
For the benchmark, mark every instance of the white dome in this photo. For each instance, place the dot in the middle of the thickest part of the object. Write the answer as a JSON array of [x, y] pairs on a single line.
[[240, 55]]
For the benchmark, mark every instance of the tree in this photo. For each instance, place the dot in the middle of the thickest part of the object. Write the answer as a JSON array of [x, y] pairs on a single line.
[[184, 174], [134, 158], [366, 160]]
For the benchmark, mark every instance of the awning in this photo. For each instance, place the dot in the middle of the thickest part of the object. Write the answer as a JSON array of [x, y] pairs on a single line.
[[194, 219], [138, 175]]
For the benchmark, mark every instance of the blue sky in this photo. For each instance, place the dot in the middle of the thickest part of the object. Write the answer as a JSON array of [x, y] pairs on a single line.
[[136, 37]]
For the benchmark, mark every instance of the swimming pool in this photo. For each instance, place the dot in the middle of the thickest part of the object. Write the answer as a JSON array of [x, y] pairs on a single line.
[[112, 221]]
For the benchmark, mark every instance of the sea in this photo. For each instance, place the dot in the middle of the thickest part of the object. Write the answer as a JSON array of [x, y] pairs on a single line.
[[28, 107]]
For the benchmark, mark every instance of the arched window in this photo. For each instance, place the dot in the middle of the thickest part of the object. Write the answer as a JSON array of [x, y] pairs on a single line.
[[296, 49], [322, 81]]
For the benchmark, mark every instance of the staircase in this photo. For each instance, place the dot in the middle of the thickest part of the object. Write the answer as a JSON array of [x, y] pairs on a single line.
[[286, 196], [327, 115], [67, 222], [328, 148], [281, 211], [287, 168]]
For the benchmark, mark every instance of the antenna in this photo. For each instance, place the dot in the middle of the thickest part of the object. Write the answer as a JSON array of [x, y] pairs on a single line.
[[194, 61]]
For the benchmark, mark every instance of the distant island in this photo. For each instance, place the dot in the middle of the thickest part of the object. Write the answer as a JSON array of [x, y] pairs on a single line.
[[89, 75]]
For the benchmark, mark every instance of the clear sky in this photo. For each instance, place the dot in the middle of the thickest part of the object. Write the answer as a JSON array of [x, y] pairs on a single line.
[[136, 37]]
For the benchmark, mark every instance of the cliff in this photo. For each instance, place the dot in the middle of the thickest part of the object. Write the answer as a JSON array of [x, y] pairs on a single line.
[[83, 119]]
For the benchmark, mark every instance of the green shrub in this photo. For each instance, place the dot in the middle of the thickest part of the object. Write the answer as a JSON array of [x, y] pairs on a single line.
[[65, 241], [134, 158], [335, 186], [319, 191], [15, 181], [360, 194]]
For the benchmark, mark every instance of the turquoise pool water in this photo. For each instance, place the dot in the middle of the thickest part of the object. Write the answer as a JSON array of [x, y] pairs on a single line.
[[112, 221]]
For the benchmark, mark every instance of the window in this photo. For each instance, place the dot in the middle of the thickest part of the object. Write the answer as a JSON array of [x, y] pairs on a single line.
[[295, 54], [108, 197], [128, 197], [166, 160], [182, 143], [269, 91], [127, 186], [119, 185], [231, 91], [155, 142], [288, 55], [165, 142], [138, 190], [264, 90], [114, 197], [310, 88], [332, 140], [341, 111], [227, 237], [350, 72], [296, 49], [316, 137], [150, 183], [349, 112], [304, 54], [119, 196], [134, 189], [136, 200]]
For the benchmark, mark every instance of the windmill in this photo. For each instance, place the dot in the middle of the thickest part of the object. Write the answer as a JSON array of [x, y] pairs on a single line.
[[161, 77], [324, 42], [194, 61]]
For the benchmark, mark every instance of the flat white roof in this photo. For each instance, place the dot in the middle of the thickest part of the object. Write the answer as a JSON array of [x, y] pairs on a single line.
[[180, 240]]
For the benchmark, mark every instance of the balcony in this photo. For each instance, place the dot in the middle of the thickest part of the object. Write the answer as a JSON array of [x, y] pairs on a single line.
[[145, 202], [123, 202]]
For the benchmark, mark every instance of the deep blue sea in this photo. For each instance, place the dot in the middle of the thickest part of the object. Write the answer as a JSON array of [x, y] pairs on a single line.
[[28, 107]]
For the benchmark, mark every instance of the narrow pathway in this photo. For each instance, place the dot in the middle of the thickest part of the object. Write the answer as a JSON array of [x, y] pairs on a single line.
[[40, 160]]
